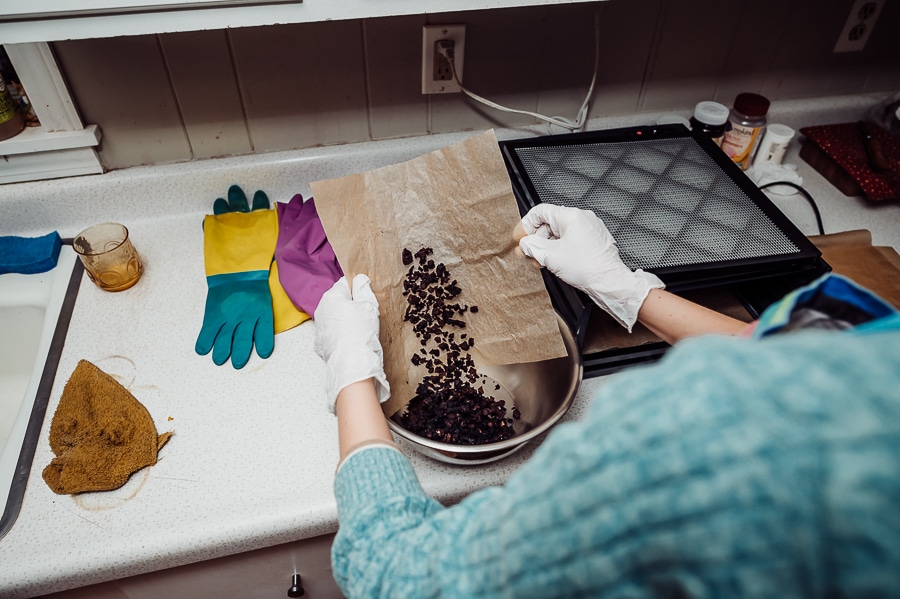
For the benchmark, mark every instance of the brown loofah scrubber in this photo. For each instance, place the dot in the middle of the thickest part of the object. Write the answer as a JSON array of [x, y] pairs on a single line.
[[100, 434]]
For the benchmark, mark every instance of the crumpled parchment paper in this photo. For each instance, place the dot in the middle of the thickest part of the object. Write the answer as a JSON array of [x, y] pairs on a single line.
[[459, 202]]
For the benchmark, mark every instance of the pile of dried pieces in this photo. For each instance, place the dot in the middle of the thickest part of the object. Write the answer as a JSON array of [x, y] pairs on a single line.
[[450, 404]]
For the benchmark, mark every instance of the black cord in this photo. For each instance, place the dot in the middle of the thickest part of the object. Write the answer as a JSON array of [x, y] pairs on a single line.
[[806, 195]]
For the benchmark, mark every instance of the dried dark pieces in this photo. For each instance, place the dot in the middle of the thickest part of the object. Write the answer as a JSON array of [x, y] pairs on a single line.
[[460, 416], [448, 405]]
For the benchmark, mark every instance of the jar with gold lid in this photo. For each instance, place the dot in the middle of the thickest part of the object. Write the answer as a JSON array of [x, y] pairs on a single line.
[[11, 120]]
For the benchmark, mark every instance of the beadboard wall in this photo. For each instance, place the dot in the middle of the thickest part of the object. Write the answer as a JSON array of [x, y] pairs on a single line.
[[187, 96]]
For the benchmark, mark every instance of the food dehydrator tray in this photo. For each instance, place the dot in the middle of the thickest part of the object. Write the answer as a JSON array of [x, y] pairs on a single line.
[[675, 203]]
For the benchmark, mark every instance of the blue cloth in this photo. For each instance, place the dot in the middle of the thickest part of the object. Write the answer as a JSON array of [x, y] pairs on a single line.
[[29, 255], [734, 467], [831, 302]]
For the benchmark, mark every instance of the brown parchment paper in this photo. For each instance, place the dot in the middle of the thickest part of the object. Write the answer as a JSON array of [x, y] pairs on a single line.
[[458, 201]]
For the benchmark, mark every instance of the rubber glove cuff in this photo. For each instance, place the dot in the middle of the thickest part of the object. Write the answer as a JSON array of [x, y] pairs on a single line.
[[623, 301], [367, 363]]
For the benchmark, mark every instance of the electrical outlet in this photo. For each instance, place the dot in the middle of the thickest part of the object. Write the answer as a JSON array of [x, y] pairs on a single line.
[[859, 25], [436, 75]]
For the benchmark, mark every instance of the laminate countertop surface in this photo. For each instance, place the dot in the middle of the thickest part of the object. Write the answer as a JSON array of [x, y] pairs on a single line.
[[252, 459]]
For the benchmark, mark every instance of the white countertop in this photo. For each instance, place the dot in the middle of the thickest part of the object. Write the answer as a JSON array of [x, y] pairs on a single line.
[[252, 460]]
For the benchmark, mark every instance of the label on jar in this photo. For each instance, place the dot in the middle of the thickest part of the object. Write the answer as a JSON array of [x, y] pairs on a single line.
[[7, 104], [739, 142]]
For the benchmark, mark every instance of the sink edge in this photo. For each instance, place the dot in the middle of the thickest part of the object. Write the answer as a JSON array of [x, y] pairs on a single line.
[[38, 411]]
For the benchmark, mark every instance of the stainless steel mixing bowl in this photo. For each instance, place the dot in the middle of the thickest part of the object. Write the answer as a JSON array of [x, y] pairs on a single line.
[[542, 391]]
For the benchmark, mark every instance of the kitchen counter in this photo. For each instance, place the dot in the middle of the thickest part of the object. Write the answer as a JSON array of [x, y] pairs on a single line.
[[252, 460]]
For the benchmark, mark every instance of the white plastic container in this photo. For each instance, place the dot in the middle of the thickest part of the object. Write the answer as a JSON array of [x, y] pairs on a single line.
[[774, 144]]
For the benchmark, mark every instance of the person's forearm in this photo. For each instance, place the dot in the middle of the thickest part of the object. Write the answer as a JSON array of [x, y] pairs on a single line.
[[360, 418], [673, 318]]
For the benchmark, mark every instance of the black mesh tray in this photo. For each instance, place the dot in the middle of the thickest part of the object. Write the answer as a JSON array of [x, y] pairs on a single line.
[[675, 203]]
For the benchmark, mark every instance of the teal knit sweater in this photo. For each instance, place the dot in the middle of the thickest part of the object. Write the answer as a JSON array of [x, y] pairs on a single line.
[[732, 468]]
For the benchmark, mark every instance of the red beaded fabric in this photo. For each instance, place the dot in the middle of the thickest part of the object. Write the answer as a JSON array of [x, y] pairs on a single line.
[[879, 179]]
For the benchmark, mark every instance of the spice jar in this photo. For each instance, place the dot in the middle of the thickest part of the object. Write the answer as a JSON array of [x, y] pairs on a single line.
[[11, 120], [748, 120], [709, 119]]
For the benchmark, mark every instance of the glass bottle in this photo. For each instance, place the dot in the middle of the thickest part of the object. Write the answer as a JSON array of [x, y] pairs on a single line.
[[11, 120], [710, 118]]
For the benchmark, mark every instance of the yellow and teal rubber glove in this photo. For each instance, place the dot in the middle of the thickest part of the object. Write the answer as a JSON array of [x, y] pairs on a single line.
[[238, 247]]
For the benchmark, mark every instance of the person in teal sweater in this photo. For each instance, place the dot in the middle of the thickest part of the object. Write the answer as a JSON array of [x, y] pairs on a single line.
[[760, 462]]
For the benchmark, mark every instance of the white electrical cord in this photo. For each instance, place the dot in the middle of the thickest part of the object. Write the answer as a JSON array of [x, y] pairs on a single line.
[[573, 125]]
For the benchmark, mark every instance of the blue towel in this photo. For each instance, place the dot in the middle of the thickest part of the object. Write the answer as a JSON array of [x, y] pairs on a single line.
[[29, 255]]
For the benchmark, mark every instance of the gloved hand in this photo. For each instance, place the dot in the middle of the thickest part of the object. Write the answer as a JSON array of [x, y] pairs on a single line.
[[577, 247], [347, 330], [238, 245], [306, 262]]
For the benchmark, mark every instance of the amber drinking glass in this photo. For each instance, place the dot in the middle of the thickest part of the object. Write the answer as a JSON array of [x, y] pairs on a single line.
[[108, 256]]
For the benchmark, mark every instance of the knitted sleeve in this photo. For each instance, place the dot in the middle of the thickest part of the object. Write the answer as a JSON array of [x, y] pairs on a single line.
[[733, 468]]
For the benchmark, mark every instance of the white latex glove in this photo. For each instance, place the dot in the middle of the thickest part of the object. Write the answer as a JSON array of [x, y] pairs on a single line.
[[347, 330], [577, 247]]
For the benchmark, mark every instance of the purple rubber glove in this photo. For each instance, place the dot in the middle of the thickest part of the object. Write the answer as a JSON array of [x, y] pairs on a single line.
[[307, 266]]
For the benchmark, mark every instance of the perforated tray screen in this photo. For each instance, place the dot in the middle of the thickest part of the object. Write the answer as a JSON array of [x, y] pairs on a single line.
[[665, 201]]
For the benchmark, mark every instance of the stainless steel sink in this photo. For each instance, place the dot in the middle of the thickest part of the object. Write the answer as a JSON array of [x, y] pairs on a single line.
[[34, 318]]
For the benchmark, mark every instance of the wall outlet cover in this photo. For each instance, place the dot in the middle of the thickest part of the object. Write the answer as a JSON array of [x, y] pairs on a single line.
[[859, 25], [436, 77]]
